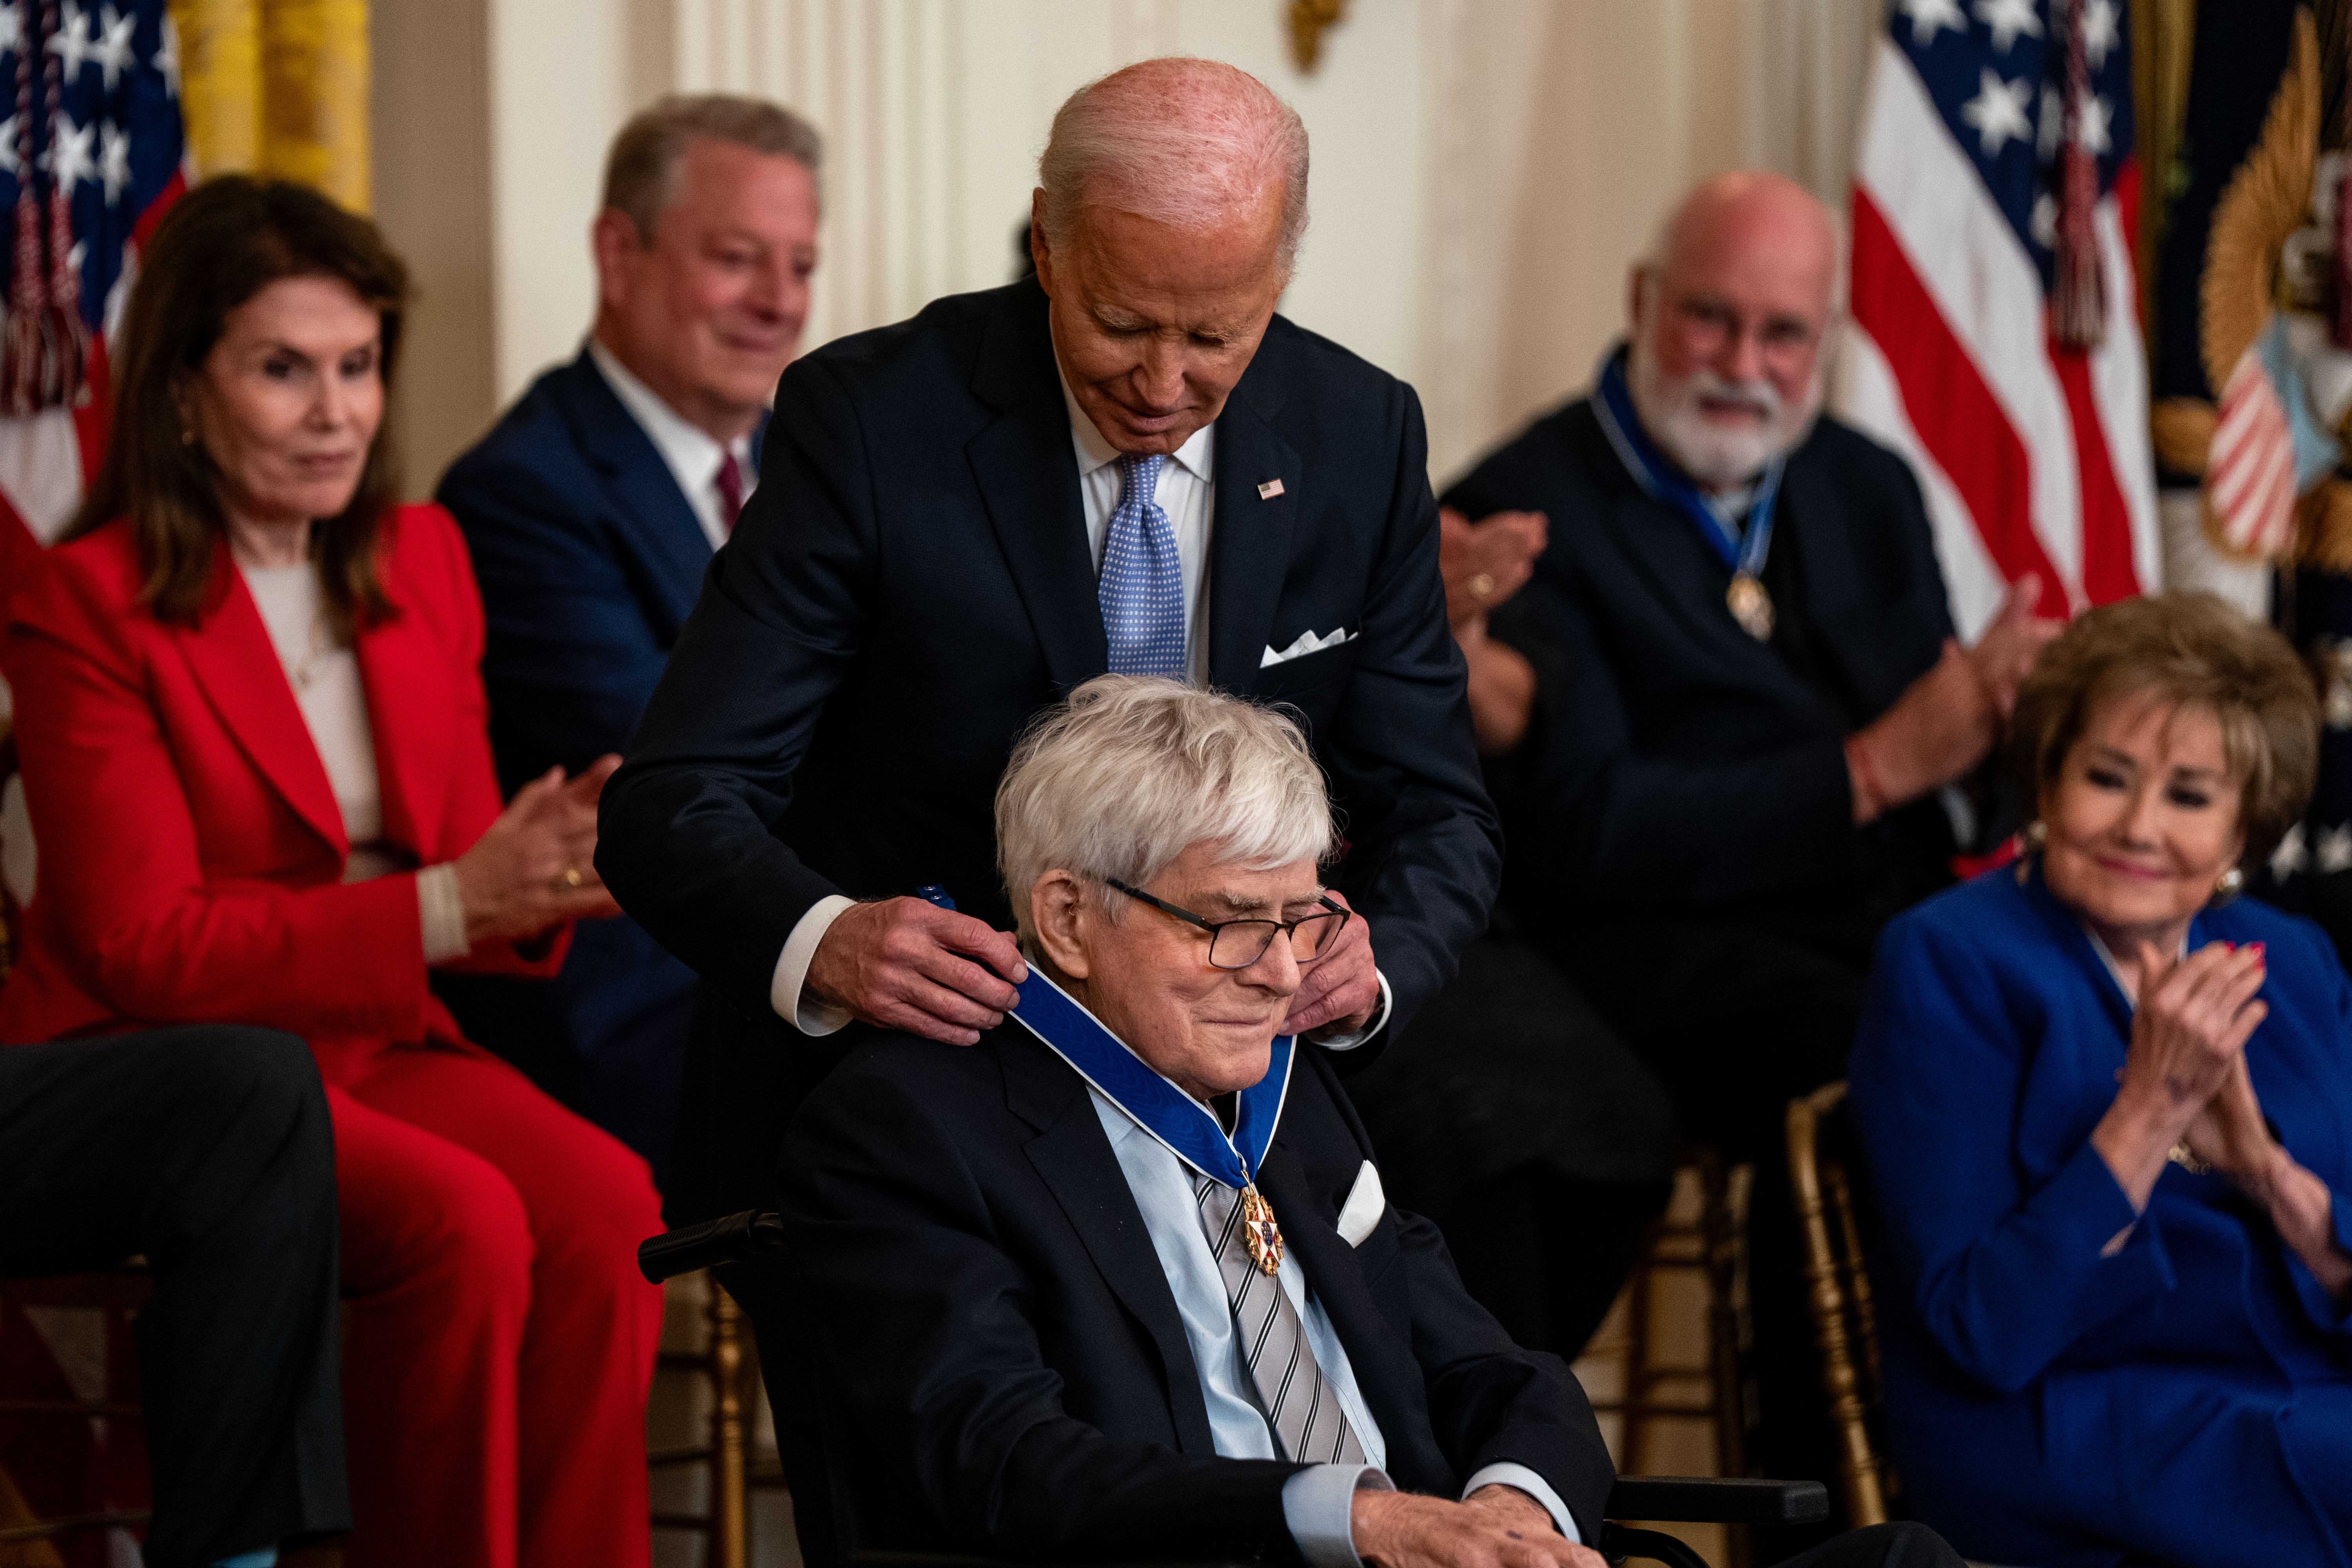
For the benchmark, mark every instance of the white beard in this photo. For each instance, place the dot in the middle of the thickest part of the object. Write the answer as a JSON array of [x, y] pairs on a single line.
[[1715, 456]]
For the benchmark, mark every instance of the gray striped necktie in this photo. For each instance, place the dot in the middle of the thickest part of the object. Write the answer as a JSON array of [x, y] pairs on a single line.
[[1299, 1405]]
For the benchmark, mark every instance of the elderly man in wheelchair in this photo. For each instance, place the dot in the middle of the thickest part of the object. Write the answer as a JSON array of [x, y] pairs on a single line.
[[1120, 1281]]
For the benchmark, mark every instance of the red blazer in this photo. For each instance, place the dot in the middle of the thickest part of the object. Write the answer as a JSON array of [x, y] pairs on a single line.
[[191, 851]]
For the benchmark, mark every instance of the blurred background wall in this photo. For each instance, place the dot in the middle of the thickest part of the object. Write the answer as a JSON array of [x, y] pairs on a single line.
[[1484, 169]]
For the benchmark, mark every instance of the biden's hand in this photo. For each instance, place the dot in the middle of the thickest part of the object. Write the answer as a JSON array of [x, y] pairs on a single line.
[[907, 963], [1337, 995]]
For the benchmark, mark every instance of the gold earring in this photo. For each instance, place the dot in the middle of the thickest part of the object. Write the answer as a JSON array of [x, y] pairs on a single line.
[[2037, 835], [2228, 885]]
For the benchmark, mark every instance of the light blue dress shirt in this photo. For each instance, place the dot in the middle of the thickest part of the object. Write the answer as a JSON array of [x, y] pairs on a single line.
[[1317, 1500]]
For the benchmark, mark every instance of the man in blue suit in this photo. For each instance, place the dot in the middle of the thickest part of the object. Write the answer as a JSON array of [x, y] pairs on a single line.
[[593, 509]]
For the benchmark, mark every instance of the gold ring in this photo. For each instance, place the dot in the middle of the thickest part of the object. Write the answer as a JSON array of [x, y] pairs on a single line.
[[572, 878], [1481, 584]]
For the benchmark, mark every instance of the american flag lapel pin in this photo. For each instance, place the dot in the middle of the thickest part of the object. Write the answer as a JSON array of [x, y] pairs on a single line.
[[1268, 491]]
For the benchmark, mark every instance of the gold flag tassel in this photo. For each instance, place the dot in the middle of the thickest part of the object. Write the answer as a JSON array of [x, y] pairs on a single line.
[[2078, 300]]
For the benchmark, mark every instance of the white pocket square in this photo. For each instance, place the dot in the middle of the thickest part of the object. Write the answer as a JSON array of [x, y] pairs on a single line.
[[1308, 643], [1366, 1202]]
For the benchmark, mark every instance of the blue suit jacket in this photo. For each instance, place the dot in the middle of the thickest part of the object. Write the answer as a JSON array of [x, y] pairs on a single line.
[[590, 559], [2188, 1399], [911, 582]]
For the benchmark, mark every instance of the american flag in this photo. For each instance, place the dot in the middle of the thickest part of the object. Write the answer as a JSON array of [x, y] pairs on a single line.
[[91, 155], [2034, 455]]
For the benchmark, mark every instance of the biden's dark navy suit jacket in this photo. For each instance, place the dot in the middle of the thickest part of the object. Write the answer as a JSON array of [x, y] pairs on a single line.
[[912, 583], [1011, 1372], [590, 559]]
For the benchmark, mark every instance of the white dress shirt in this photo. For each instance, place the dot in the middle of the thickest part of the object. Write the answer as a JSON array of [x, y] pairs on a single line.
[[1317, 1502], [687, 450], [1186, 494], [325, 677]]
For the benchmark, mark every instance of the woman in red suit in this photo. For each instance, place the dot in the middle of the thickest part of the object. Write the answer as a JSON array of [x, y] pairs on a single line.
[[252, 738]]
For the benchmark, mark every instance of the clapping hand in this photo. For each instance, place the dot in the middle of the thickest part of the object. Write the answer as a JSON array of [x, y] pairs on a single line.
[[2189, 1036], [535, 866], [1486, 561]]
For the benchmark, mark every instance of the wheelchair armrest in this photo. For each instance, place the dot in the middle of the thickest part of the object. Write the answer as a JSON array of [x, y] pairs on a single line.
[[1717, 1500]]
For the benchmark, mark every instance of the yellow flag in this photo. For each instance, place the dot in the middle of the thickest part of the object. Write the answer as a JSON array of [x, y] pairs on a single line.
[[279, 87]]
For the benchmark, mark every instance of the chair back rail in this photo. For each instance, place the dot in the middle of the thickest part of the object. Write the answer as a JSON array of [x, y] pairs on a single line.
[[1838, 1292]]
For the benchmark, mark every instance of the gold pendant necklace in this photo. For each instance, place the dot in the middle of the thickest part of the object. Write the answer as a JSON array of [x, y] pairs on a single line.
[[1750, 605], [1260, 1234]]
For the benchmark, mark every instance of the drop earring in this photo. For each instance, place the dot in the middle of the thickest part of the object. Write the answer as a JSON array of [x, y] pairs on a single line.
[[2228, 885]]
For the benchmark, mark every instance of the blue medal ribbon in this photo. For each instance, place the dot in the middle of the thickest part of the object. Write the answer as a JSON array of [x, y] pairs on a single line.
[[1660, 478], [1188, 1129], [1183, 1126]]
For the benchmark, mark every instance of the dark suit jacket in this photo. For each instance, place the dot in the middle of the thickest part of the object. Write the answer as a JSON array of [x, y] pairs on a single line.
[[1009, 1362], [590, 559], [911, 584], [1689, 838]]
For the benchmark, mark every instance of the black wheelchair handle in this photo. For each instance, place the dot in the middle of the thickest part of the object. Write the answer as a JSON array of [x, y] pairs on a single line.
[[731, 1238]]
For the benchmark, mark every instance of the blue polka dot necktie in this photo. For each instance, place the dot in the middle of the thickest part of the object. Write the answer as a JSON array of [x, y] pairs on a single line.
[[1142, 587]]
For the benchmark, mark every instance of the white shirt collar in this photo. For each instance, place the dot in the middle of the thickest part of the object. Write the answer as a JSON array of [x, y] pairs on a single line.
[[692, 454], [1196, 455]]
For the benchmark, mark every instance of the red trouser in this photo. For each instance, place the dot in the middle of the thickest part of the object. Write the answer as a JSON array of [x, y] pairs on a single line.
[[501, 1339]]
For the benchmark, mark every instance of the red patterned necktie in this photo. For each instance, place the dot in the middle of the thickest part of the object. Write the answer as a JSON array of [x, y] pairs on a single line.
[[731, 491]]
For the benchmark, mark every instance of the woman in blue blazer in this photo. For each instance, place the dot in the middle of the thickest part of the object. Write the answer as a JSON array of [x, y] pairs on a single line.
[[2108, 1119]]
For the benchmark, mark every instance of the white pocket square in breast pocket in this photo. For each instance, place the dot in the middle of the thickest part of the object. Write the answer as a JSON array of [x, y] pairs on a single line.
[[1306, 643], [1366, 1202]]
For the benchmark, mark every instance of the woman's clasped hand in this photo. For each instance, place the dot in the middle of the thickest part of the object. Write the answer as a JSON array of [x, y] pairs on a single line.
[[535, 866]]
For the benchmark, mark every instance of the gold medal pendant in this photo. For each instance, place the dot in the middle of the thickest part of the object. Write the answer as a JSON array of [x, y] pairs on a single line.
[[1260, 1234], [1750, 605]]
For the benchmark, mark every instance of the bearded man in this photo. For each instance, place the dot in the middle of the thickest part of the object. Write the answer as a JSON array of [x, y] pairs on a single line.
[[1751, 698]]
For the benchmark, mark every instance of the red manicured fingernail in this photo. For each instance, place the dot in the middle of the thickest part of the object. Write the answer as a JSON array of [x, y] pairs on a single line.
[[2255, 948], [2229, 947]]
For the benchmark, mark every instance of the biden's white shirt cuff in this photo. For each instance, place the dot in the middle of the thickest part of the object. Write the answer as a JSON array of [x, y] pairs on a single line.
[[807, 1014], [1372, 1025]]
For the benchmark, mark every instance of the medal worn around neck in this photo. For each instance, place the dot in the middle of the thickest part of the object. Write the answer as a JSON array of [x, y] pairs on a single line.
[[1260, 1234], [1747, 600], [1750, 605]]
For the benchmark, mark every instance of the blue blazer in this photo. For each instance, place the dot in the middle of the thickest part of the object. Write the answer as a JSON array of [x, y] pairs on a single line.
[[911, 582], [2189, 1398], [590, 559]]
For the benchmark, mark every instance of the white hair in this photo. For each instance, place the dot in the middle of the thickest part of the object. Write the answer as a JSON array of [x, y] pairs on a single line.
[[1184, 142], [1133, 770]]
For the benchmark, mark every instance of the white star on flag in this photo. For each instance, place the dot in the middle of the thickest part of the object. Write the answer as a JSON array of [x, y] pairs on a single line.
[[2290, 856], [2099, 32], [70, 157], [1998, 111], [2008, 18], [114, 160], [8, 159], [113, 51], [70, 43], [1926, 15], [12, 27], [2098, 114], [167, 59], [2334, 848]]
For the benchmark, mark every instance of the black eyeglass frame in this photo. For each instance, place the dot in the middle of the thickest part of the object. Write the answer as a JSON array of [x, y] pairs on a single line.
[[1274, 928]]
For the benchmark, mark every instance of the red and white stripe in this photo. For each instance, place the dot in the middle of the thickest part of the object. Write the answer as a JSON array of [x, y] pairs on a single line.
[[2033, 458], [2250, 479]]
